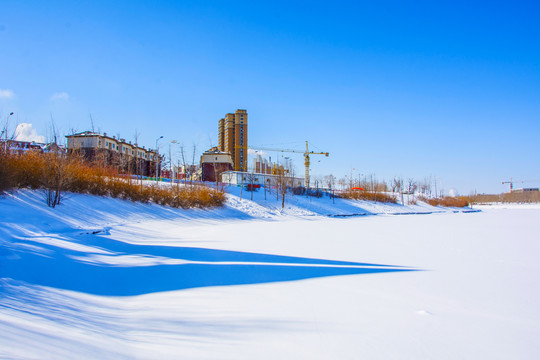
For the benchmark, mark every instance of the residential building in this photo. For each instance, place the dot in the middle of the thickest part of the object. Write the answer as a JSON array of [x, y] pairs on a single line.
[[110, 151], [233, 138]]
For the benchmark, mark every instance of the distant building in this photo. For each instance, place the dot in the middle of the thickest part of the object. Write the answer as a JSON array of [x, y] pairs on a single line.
[[233, 138], [263, 166], [526, 190], [110, 151], [20, 147]]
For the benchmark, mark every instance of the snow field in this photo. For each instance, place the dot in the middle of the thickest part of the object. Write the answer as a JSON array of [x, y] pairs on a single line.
[[473, 294]]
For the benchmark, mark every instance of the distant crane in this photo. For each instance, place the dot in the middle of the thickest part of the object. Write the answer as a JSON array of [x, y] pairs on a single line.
[[306, 157], [512, 182]]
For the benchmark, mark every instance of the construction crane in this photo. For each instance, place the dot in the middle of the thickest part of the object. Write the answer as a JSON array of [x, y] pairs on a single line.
[[512, 182], [306, 153]]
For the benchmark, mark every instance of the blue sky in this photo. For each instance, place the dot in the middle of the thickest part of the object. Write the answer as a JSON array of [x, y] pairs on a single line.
[[388, 88]]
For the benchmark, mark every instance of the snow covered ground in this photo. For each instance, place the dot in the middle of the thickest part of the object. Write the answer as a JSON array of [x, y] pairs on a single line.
[[108, 279], [269, 204]]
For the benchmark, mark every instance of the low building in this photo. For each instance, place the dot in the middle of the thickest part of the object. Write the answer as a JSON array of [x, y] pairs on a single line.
[[19, 146], [244, 178], [213, 163]]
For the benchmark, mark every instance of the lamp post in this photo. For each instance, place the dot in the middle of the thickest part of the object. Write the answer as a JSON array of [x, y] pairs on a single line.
[[6, 131], [171, 160], [157, 157]]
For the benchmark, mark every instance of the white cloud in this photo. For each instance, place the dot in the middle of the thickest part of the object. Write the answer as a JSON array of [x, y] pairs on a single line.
[[453, 192], [60, 96], [6, 94], [256, 152], [25, 132]]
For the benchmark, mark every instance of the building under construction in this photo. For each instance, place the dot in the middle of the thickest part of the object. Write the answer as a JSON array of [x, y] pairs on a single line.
[[264, 166]]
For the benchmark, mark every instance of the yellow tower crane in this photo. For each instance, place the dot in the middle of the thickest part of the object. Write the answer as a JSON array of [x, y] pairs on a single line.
[[306, 153]]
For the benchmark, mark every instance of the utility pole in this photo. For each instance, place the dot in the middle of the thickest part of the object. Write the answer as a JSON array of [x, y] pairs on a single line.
[[157, 157], [6, 131], [92, 123], [171, 163]]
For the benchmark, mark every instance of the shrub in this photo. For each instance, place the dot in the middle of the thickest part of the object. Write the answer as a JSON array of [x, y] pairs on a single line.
[[370, 196], [7, 178], [448, 201], [56, 173], [511, 197]]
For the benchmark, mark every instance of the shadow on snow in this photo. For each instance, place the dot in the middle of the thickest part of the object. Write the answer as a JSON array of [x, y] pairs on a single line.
[[63, 268]]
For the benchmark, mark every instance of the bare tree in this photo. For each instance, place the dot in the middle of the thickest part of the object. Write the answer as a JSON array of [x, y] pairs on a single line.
[[397, 184], [138, 167], [330, 181], [193, 164], [284, 180], [281, 188], [6, 173], [217, 171], [250, 178], [425, 187], [342, 182], [411, 188], [54, 177]]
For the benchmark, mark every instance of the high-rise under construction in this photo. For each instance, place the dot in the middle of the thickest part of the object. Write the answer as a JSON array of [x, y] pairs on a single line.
[[232, 138]]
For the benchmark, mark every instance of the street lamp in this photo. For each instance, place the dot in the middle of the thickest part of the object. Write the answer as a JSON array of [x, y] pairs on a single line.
[[6, 131], [287, 164], [171, 160], [157, 157]]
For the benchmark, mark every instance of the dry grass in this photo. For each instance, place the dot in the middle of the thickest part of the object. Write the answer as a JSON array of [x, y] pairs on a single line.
[[366, 195], [513, 197], [51, 172], [448, 201]]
